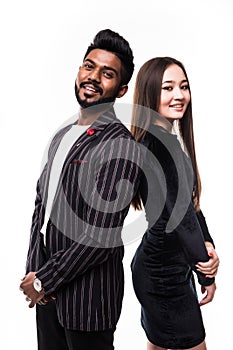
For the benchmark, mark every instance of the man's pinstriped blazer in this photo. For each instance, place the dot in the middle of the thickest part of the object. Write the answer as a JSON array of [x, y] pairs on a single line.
[[82, 265]]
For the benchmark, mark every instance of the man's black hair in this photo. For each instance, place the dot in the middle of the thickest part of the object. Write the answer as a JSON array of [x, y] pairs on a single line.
[[113, 42]]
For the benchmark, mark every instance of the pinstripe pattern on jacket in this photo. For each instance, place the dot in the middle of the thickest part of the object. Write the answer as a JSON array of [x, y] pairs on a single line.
[[84, 252]]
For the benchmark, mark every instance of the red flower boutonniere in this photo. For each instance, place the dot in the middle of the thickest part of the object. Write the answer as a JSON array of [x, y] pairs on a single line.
[[90, 132]]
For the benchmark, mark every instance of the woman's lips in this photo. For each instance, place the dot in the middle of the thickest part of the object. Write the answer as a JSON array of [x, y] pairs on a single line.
[[177, 106]]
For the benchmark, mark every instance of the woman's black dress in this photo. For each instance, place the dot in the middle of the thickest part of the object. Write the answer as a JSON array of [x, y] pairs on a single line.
[[172, 245]]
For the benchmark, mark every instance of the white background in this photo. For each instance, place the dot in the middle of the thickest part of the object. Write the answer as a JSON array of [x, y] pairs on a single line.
[[42, 46]]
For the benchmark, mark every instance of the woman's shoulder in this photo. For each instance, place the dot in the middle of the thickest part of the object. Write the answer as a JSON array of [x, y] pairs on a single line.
[[157, 139]]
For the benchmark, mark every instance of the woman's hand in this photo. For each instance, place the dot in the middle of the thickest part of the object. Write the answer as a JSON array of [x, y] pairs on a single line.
[[209, 268], [210, 291]]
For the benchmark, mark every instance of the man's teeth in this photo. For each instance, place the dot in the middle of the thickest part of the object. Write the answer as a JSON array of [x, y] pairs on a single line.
[[90, 88]]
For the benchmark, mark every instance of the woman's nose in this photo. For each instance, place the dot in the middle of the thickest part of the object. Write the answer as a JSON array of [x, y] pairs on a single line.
[[178, 93]]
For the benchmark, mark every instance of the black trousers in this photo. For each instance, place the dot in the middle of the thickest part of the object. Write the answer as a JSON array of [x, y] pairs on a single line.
[[52, 336]]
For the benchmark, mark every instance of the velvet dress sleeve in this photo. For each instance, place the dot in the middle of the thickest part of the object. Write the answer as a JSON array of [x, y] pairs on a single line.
[[179, 212], [204, 227]]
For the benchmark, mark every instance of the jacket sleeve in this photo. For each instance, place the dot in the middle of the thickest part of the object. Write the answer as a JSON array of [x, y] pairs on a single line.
[[36, 252], [114, 183]]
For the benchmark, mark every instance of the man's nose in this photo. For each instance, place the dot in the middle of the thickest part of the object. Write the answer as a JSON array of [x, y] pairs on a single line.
[[95, 76]]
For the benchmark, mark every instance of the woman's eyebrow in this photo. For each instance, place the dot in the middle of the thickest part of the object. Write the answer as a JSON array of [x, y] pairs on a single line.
[[172, 81]]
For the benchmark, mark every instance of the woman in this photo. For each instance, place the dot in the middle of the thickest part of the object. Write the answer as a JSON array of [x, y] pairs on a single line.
[[177, 241]]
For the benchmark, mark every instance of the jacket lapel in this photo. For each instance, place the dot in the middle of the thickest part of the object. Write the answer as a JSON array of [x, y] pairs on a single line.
[[98, 126]]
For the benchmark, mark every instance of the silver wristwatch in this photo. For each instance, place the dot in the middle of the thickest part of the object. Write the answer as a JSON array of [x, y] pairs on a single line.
[[37, 285]]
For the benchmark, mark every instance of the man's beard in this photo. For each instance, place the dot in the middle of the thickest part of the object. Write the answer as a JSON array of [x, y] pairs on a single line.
[[100, 103]]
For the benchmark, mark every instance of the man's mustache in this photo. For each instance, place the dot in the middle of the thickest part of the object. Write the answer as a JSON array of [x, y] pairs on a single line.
[[96, 86]]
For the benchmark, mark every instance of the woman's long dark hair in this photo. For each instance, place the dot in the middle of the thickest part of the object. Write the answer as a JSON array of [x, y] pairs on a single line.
[[147, 93]]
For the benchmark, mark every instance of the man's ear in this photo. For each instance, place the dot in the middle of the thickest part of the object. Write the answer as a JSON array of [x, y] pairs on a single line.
[[123, 89]]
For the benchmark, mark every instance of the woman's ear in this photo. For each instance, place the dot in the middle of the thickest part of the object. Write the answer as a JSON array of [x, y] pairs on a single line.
[[123, 89]]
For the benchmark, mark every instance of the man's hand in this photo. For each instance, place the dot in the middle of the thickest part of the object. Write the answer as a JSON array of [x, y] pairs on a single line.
[[209, 268], [28, 289], [46, 299], [210, 291]]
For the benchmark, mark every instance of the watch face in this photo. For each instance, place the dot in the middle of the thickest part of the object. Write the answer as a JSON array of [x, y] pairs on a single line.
[[37, 285]]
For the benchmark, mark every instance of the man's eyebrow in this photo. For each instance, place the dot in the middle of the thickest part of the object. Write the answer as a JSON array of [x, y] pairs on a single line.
[[105, 67], [111, 68], [89, 60]]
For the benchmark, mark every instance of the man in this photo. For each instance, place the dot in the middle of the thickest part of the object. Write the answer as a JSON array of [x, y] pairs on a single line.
[[74, 265]]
